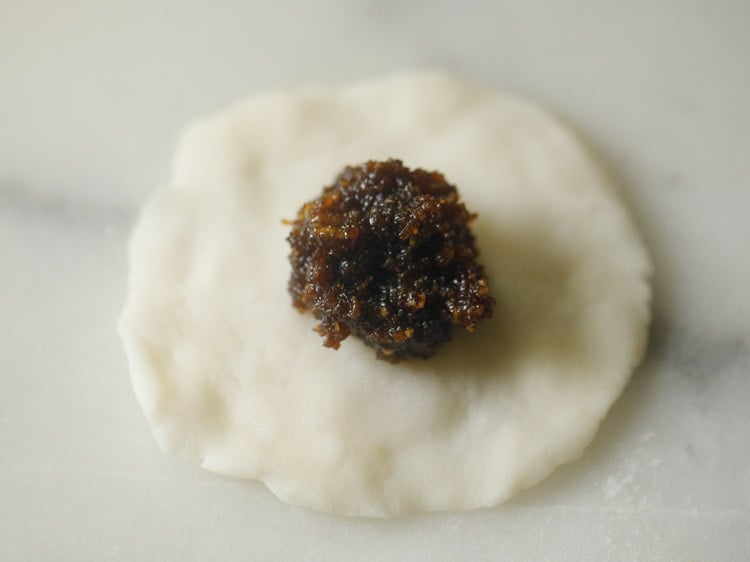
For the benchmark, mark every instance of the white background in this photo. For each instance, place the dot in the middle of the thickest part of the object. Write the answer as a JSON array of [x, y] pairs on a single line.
[[92, 98]]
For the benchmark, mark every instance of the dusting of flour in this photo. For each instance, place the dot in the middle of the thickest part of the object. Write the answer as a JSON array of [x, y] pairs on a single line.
[[228, 374]]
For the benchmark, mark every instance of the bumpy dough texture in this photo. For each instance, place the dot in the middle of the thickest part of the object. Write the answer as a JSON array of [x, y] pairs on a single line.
[[230, 375]]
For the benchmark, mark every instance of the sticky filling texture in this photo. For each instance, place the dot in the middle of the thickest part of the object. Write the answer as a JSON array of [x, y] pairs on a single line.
[[386, 254]]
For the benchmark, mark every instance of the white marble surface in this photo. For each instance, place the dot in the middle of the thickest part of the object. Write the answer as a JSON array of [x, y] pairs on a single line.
[[92, 96]]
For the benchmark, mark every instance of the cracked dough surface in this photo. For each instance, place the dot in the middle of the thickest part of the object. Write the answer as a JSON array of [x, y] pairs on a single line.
[[231, 376]]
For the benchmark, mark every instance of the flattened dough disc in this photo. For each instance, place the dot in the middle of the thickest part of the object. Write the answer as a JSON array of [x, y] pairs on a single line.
[[230, 375]]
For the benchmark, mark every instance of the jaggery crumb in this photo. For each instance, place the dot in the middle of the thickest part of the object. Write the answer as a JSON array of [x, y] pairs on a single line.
[[385, 253]]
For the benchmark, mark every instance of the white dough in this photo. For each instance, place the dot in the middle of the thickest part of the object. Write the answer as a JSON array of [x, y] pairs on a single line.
[[230, 375]]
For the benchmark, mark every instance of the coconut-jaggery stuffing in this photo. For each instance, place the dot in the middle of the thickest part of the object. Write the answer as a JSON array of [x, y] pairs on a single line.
[[386, 254]]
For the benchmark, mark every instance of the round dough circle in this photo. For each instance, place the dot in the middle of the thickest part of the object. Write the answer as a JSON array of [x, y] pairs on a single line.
[[229, 374]]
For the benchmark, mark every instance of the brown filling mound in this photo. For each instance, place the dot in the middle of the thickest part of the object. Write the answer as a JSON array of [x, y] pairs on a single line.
[[385, 253]]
